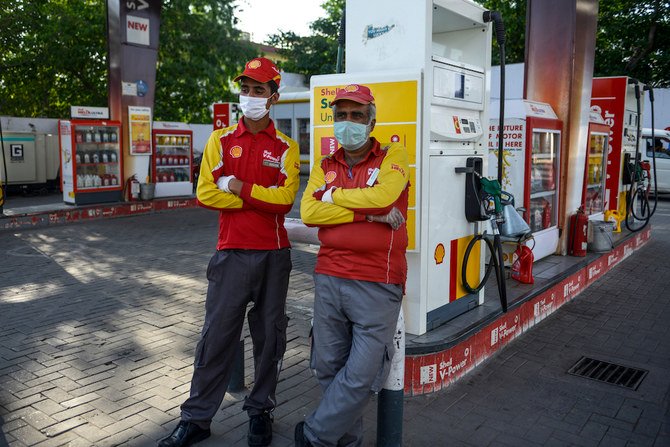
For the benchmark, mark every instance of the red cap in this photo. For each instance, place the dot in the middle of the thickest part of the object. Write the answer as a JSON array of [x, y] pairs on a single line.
[[262, 70], [354, 92]]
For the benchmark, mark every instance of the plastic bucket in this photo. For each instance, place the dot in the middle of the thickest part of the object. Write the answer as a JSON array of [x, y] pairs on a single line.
[[147, 191], [600, 236]]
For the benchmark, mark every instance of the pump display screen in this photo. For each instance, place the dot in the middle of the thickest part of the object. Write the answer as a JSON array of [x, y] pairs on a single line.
[[459, 86]]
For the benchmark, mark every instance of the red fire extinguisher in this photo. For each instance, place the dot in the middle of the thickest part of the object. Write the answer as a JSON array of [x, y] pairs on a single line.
[[132, 189], [578, 226]]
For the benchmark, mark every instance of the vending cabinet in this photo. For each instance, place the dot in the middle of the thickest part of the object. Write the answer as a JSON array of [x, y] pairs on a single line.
[[171, 167], [531, 163], [91, 161], [593, 194]]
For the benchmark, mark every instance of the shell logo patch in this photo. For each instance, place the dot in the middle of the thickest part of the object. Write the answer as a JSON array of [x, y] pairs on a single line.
[[330, 176], [236, 151], [350, 88], [254, 64]]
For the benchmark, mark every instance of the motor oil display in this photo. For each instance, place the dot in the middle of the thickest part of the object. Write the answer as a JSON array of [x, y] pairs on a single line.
[[91, 161], [172, 160], [531, 161]]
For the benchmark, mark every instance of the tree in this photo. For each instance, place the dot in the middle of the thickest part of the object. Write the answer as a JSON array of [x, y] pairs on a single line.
[[49, 60], [200, 52], [315, 54], [633, 39], [55, 55], [513, 13]]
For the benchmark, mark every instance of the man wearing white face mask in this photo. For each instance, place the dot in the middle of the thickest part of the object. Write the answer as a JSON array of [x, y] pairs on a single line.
[[358, 198], [250, 174]]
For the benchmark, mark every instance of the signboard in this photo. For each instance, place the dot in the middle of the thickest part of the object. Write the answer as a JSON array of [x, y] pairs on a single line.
[[226, 114], [89, 113], [139, 123]]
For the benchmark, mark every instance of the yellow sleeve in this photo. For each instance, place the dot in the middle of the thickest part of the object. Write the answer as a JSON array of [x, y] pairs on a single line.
[[208, 194], [391, 181], [314, 212]]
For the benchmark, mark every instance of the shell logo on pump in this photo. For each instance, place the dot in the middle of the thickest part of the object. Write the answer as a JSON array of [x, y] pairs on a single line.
[[439, 254], [236, 151]]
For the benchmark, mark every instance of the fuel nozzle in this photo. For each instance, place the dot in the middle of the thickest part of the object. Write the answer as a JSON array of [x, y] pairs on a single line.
[[496, 18]]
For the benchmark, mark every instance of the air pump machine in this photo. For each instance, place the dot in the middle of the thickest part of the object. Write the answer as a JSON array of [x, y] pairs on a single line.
[[428, 65]]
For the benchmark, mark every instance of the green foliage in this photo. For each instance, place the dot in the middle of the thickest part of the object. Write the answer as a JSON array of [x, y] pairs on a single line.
[[633, 39], [55, 55], [513, 13], [315, 54], [200, 52]]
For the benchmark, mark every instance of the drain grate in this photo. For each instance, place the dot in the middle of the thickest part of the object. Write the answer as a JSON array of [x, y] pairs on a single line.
[[608, 372]]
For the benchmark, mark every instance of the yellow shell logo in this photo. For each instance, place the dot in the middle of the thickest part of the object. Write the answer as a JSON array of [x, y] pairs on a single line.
[[351, 88], [330, 176], [254, 64], [236, 151], [439, 254]]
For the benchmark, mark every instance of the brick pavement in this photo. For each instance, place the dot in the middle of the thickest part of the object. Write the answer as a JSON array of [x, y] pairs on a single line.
[[98, 322]]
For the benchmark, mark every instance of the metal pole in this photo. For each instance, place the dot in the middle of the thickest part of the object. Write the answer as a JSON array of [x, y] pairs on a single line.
[[237, 377], [390, 402]]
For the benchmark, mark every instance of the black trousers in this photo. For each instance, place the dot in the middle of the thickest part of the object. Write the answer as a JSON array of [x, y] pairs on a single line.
[[237, 277]]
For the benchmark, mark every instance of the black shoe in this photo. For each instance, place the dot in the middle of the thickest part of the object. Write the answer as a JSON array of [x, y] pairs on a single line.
[[300, 439], [260, 430], [186, 433]]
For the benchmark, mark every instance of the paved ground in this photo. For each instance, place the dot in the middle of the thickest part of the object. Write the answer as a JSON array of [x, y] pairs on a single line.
[[98, 322]]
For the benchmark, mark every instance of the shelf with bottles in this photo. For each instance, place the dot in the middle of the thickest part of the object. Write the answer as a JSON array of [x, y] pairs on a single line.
[[173, 160], [549, 193], [173, 174], [96, 156], [542, 177], [96, 134], [542, 213], [168, 141]]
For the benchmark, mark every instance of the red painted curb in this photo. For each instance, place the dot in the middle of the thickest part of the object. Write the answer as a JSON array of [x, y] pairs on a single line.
[[432, 372], [93, 213]]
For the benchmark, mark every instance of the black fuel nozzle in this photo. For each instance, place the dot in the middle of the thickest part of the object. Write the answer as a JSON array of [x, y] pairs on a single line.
[[496, 18], [650, 89]]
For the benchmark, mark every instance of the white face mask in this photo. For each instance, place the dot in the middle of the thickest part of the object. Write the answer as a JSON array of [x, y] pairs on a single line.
[[254, 107]]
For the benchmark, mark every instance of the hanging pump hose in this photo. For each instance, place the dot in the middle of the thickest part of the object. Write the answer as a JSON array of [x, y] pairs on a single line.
[[636, 172], [492, 189], [341, 42], [3, 187]]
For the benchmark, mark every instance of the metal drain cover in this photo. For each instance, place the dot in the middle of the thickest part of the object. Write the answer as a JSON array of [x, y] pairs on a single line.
[[606, 372]]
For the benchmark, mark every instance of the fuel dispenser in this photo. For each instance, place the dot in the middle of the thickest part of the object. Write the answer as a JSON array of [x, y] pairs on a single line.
[[428, 66], [618, 100], [531, 159]]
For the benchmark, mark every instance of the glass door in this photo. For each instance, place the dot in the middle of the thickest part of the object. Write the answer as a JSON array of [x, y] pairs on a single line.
[[97, 157], [173, 158], [595, 170], [544, 170]]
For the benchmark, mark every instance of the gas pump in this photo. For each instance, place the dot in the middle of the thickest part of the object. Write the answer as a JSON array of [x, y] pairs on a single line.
[[428, 66], [617, 99]]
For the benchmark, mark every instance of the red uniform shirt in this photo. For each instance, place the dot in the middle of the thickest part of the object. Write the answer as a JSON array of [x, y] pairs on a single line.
[[352, 247], [268, 165]]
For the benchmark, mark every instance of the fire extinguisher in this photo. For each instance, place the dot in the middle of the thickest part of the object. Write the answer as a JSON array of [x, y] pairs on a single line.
[[132, 189], [578, 226]]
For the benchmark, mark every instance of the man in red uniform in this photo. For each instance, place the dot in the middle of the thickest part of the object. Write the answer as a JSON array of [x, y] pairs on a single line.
[[250, 174], [358, 198]]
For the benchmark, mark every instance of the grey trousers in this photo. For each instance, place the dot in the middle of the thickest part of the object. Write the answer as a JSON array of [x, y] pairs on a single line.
[[354, 324], [237, 277]]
